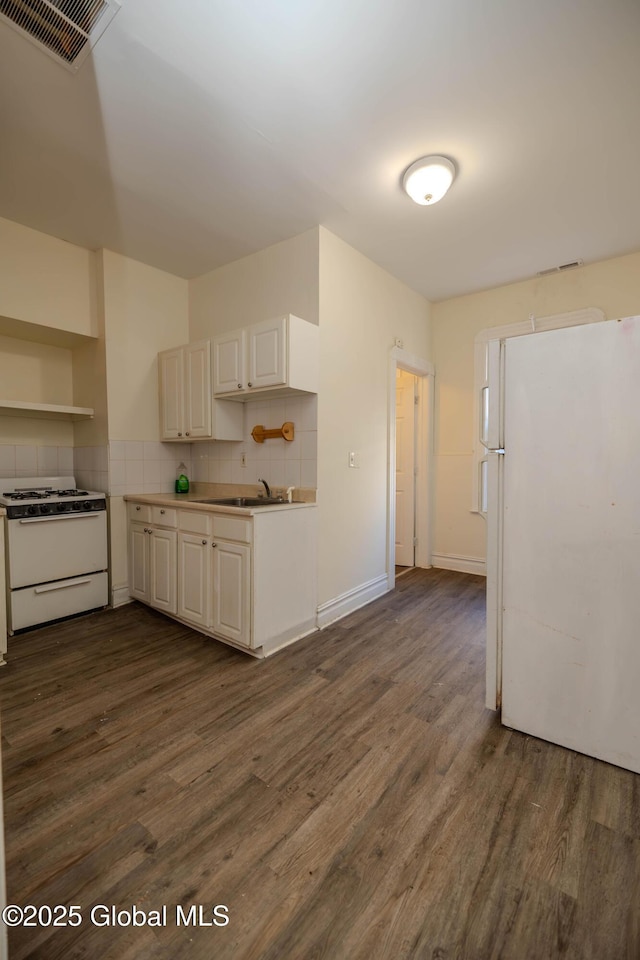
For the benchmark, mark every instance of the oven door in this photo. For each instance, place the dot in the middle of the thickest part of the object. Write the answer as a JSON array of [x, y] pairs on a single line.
[[42, 549]]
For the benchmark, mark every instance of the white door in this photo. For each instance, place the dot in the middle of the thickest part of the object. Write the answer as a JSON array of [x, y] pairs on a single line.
[[163, 570], [405, 467], [194, 578], [267, 354], [198, 395], [571, 564], [171, 375], [228, 362], [231, 614]]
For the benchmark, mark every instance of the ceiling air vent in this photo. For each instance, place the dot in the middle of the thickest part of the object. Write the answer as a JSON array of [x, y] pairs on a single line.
[[65, 29], [560, 269]]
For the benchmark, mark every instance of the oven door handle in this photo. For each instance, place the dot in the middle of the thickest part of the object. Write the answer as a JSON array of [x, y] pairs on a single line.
[[63, 516], [62, 585]]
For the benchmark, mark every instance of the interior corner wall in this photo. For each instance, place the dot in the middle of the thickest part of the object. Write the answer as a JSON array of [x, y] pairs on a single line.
[[612, 285], [145, 311], [280, 279], [362, 308]]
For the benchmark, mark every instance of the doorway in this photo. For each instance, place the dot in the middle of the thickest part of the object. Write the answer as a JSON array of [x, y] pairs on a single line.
[[411, 405], [406, 439]]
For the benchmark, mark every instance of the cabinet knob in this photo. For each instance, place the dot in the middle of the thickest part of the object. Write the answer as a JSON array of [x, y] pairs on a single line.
[[239, 386], [162, 511], [179, 433], [186, 433], [214, 544], [249, 384], [137, 508], [204, 543]]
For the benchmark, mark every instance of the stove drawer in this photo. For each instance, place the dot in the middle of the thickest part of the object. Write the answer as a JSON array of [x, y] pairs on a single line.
[[40, 549], [50, 601]]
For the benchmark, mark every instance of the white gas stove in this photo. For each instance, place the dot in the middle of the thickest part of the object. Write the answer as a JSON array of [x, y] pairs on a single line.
[[56, 545]]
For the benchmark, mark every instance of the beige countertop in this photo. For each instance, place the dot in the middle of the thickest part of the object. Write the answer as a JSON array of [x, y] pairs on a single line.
[[190, 501]]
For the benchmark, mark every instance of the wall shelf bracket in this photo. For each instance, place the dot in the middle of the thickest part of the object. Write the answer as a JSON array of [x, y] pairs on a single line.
[[284, 432]]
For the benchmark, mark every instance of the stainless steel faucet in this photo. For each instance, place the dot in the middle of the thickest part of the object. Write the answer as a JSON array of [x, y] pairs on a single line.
[[266, 486]]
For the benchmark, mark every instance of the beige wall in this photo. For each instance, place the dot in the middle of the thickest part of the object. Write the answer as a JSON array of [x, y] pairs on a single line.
[[46, 281], [35, 373], [611, 285], [281, 279], [362, 310], [146, 310]]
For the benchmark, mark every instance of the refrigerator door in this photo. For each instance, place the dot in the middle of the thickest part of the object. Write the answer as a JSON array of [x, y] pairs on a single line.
[[490, 506], [571, 539]]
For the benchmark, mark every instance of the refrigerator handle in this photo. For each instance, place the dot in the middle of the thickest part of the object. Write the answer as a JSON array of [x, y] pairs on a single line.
[[483, 467], [492, 398]]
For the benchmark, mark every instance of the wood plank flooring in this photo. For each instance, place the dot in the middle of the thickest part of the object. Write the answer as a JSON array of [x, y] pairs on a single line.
[[348, 799]]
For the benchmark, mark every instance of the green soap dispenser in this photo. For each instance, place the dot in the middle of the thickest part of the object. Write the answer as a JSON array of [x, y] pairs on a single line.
[[182, 480]]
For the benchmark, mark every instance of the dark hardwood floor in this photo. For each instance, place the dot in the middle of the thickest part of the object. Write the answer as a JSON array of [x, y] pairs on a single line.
[[348, 799]]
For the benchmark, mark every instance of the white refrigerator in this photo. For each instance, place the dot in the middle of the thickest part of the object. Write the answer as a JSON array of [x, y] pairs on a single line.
[[560, 486]]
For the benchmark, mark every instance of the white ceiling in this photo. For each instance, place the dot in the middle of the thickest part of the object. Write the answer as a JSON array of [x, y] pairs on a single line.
[[203, 130]]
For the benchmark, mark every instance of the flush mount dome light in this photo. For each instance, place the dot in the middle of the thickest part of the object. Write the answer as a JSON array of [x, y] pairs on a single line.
[[428, 179]]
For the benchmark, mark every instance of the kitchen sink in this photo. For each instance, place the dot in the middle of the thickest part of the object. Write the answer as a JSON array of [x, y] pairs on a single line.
[[243, 501]]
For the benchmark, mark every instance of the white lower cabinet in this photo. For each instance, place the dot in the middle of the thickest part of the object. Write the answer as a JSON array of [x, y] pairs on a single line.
[[194, 575], [249, 581], [152, 566], [231, 569]]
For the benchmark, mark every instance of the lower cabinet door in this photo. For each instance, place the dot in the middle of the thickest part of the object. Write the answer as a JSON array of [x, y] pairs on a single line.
[[194, 578], [163, 570], [138, 562], [231, 612]]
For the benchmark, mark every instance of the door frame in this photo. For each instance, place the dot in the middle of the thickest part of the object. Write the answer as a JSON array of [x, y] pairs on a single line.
[[425, 372]]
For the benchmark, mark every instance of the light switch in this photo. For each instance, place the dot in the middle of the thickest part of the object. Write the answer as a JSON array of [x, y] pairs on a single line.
[[353, 459]]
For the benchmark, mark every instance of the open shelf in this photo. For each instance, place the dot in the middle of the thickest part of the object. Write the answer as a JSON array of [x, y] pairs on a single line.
[[44, 411]]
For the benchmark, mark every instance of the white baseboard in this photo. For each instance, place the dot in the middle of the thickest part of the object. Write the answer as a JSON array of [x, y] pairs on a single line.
[[346, 603], [120, 596], [288, 637], [445, 561]]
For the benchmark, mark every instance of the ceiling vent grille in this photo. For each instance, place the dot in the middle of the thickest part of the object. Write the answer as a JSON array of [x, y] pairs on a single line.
[[65, 29], [563, 266]]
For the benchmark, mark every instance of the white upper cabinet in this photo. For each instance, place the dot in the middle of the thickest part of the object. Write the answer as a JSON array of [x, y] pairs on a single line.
[[197, 392], [270, 358], [267, 354], [229, 362], [187, 408], [171, 375]]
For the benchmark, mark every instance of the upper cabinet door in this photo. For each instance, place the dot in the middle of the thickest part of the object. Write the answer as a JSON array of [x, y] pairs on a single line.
[[198, 389], [171, 377], [228, 362], [267, 353]]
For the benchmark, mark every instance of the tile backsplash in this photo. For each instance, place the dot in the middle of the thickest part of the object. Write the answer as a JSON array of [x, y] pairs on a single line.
[[24, 460], [142, 466], [280, 462], [146, 466]]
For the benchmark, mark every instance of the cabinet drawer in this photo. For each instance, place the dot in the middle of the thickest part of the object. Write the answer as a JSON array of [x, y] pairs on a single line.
[[192, 522], [164, 516], [139, 511], [231, 528]]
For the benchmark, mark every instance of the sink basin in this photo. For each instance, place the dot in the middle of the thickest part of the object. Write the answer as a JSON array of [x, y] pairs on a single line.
[[243, 501]]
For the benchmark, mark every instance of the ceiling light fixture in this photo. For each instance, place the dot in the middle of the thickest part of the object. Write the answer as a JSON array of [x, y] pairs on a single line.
[[428, 179]]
